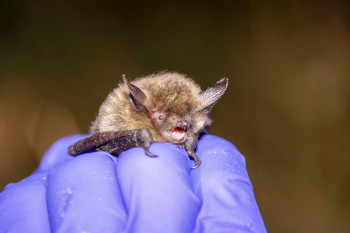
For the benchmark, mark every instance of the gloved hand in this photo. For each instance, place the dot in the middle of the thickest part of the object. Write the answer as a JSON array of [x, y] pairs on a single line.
[[97, 192]]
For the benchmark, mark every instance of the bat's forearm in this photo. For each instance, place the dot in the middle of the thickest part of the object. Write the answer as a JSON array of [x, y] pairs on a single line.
[[117, 142], [113, 142]]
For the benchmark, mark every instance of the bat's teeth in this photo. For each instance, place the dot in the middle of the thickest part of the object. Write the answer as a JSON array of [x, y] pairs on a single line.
[[176, 135], [180, 129]]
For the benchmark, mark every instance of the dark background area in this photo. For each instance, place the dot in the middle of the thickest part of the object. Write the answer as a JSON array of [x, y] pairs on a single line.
[[286, 109]]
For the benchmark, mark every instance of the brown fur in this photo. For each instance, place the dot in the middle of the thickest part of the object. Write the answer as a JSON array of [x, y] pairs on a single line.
[[162, 89], [169, 93]]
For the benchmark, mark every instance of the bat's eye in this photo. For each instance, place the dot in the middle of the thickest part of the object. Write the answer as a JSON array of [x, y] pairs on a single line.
[[158, 116]]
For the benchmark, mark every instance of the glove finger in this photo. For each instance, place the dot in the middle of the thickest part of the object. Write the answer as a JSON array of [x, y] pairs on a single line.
[[83, 195], [23, 207], [223, 186], [157, 191], [57, 154]]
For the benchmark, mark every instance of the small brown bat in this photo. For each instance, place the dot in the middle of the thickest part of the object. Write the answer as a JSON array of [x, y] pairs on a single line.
[[162, 107]]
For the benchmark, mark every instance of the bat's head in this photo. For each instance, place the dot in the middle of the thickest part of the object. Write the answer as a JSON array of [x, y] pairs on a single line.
[[177, 111]]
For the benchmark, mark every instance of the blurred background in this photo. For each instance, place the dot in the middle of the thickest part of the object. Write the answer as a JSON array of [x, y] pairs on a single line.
[[287, 108]]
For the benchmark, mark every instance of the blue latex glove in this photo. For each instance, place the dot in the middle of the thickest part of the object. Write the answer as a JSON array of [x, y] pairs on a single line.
[[97, 192]]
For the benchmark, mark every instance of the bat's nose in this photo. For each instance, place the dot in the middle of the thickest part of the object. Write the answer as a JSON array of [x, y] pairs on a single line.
[[183, 124]]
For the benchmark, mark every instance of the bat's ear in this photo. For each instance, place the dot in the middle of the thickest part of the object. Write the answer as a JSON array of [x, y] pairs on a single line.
[[212, 94], [137, 97]]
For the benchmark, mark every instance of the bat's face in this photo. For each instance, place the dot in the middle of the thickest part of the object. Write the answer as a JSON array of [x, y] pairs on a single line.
[[177, 117], [171, 126]]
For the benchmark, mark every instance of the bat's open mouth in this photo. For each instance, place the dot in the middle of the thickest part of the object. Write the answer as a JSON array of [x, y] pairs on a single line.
[[179, 130], [177, 134]]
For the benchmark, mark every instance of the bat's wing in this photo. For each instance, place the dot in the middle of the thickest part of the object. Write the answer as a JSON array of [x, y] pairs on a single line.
[[113, 142]]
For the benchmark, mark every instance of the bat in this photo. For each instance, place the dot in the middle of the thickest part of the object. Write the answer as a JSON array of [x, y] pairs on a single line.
[[162, 107]]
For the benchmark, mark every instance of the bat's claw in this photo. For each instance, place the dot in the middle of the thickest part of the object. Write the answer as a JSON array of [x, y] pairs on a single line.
[[197, 162], [149, 153], [144, 138], [193, 155]]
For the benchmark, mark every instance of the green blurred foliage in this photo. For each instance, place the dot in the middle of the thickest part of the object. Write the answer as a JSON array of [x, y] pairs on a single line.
[[287, 107]]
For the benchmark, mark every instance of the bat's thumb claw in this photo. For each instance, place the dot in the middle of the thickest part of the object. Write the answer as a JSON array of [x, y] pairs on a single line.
[[197, 162], [149, 153]]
